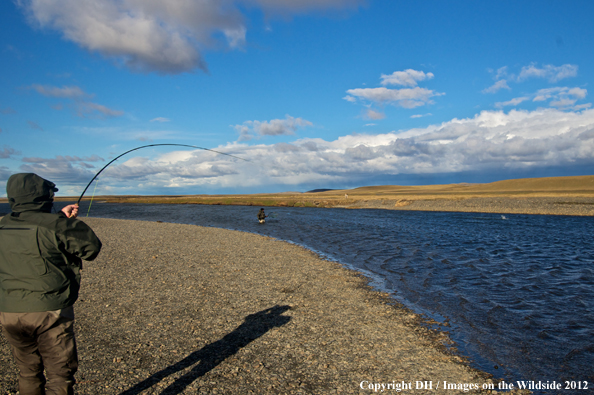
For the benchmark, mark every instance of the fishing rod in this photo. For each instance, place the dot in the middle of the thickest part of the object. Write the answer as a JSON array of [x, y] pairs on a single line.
[[145, 146]]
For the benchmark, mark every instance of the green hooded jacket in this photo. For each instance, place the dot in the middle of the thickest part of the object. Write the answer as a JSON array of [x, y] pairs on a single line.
[[41, 253]]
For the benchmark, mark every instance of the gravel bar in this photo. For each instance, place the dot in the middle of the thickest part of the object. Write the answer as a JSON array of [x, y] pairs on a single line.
[[182, 309]]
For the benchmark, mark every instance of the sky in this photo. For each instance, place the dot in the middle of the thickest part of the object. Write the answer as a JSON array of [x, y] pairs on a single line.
[[311, 93]]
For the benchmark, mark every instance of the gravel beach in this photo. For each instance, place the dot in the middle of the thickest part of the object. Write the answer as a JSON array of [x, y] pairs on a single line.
[[183, 309]]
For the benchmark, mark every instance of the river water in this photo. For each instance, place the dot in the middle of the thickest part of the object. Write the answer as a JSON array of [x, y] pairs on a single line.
[[516, 292]]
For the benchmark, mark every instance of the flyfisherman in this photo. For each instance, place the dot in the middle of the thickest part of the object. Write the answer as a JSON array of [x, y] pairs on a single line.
[[41, 257], [262, 216]]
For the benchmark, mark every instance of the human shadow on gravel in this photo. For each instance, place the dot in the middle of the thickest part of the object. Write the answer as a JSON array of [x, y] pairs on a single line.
[[211, 355]]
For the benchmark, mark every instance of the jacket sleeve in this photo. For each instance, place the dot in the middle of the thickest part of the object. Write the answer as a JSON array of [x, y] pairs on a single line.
[[78, 239]]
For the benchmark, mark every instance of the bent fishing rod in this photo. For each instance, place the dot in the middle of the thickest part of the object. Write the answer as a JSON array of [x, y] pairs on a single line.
[[145, 146]]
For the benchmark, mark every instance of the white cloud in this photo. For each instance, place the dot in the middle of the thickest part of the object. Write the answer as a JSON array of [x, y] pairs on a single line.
[[421, 115], [577, 93], [81, 105], [274, 127], [156, 35], [512, 102], [160, 119], [84, 109], [562, 103], [407, 97], [67, 169], [406, 78], [70, 92], [501, 73], [560, 97], [497, 86], [489, 141], [235, 37], [374, 115], [412, 97], [549, 72]]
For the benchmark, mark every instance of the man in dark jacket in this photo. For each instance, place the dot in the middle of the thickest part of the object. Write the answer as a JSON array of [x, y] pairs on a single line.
[[41, 257], [262, 216]]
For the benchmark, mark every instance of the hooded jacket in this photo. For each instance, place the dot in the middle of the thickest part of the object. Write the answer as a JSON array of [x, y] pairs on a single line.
[[41, 253]]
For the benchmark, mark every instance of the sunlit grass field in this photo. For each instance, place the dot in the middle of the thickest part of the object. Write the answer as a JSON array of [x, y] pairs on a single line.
[[560, 187]]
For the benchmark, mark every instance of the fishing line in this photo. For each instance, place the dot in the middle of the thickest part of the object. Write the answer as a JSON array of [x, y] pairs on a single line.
[[145, 146], [92, 197]]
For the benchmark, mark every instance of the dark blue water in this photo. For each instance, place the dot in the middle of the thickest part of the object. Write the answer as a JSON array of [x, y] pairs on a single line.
[[517, 291]]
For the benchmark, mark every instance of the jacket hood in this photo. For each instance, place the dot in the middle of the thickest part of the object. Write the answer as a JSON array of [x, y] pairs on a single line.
[[29, 192]]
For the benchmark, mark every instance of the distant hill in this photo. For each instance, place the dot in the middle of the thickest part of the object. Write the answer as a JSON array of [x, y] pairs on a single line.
[[321, 190], [547, 185]]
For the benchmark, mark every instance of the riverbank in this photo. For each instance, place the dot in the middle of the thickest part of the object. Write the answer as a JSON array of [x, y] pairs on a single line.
[[580, 206], [170, 308]]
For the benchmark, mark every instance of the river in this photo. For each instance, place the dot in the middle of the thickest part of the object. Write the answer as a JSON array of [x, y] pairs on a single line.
[[514, 292]]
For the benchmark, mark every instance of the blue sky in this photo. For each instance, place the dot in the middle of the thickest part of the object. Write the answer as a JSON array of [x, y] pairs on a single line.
[[314, 93]]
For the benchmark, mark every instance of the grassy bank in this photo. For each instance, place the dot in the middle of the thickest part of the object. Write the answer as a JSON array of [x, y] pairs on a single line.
[[564, 189]]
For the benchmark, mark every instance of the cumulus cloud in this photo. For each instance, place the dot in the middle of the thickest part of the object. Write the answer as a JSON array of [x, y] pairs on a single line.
[[68, 169], [489, 141], [155, 35], [81, 104], [275, 127], [406, 78], [411, 97]]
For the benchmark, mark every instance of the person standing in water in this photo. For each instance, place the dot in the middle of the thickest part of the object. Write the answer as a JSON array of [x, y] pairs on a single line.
[[262, 216]]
